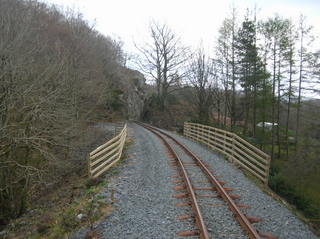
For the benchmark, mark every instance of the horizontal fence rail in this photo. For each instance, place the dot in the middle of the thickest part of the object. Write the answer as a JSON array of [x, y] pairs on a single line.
[[235, 148], [106, 155]]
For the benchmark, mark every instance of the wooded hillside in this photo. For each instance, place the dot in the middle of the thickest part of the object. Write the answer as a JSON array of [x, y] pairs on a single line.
[[57, 74]]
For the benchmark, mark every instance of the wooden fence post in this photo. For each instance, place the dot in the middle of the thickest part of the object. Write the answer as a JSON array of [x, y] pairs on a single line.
[[232, 147], [209, 137], [89, 165], [185, 129], [224, 141], [268, 171]]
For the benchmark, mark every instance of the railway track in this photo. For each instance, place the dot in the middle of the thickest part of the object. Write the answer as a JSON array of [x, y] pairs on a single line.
[[191, 168]]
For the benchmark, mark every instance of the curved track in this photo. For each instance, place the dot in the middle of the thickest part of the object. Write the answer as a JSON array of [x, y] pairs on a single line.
[[216, 185]]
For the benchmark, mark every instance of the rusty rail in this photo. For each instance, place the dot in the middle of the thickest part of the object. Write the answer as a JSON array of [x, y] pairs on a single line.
[[241, 218], [196, 209]]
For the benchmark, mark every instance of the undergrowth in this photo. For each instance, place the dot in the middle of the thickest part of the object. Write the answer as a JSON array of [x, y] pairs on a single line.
[[77, 203], [82, 212], [301, 194]]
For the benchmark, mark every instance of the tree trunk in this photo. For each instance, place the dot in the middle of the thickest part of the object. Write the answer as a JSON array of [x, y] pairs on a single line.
[[299, 91], [233, 104], [289, 100], [273, 96], [278, 107]]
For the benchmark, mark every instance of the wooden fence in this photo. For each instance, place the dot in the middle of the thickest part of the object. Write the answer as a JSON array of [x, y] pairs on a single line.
[[106, 155], [236, 149]]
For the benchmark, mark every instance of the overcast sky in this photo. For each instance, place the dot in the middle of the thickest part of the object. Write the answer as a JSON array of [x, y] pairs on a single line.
[[193, 20]]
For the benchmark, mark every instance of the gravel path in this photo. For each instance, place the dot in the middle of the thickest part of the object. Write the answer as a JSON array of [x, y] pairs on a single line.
[[146, 208]]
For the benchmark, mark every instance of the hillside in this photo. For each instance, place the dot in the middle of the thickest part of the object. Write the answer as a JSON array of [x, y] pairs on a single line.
[[58, 75]]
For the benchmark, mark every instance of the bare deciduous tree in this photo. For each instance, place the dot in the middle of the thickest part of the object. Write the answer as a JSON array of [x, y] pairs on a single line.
[[200, 75], [162, 59], [55, 72]]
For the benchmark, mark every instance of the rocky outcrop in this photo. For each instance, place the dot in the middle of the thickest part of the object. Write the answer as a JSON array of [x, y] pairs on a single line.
[[134, 95]]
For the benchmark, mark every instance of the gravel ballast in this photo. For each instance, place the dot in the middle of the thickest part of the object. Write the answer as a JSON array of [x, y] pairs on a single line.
[[145, 206], [218, 218], [277, 219]]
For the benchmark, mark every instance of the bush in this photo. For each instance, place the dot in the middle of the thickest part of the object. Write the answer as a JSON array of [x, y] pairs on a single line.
[[293, 195]]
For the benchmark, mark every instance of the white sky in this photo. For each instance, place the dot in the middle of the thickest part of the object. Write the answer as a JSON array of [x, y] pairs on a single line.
[[193, 20]]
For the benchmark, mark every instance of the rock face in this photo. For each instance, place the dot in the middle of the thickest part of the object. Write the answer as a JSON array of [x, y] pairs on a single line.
[[134, 95]]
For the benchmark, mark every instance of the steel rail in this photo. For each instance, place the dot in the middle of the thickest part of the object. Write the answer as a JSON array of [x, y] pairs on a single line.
[[242, 219], [203, 232]]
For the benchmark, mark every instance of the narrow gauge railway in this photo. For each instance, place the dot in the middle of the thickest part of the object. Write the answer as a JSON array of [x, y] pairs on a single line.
[[191, 168]]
